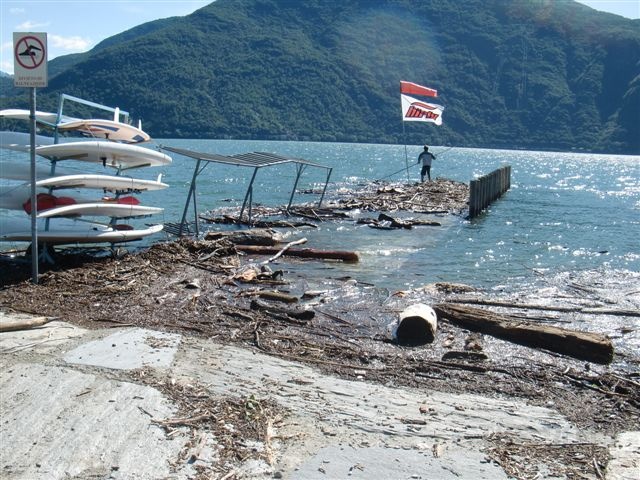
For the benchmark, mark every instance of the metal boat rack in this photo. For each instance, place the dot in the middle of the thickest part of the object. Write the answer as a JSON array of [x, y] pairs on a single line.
[[256, 160]]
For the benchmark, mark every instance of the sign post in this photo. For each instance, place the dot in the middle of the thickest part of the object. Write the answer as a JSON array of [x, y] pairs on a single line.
[[30, 70]]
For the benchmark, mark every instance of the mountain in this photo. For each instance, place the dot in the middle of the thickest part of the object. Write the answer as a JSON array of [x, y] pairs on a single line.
[[520, 74]]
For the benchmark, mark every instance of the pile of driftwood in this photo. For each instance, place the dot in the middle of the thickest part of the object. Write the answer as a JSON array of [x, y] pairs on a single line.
[[440, 196], [267, 242]]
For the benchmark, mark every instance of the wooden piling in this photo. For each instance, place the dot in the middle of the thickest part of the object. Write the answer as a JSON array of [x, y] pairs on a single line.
[[488, 188]]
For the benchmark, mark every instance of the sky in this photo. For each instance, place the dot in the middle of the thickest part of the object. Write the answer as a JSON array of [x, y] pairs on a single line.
[[75, 26]]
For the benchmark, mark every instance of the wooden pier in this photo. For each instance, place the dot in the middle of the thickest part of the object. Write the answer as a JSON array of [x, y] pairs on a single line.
[[486, 189]]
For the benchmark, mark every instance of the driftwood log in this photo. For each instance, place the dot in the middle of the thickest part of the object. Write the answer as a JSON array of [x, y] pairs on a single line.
[[387, 222], [246, 237], [345, 256], [296, 313], [229, 220], [592, 347], [273, 295], [26, 324]]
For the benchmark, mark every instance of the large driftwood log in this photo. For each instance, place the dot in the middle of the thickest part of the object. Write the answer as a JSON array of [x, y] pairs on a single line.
[[551, 308], [284, 249], [302, 252], [592, 347], [25, 324]]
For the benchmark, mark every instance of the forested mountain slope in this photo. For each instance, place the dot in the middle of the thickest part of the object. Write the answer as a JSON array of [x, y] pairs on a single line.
[[511, 74]]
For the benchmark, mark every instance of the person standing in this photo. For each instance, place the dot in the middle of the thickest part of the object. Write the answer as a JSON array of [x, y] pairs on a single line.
[[426, 157]]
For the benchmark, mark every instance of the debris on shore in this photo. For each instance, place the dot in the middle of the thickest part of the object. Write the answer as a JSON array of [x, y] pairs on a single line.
[[192, 287], [441, 196], [209, 289]]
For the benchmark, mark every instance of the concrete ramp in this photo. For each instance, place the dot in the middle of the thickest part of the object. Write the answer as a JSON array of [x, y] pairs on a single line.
[[127, 350], [81, 426]]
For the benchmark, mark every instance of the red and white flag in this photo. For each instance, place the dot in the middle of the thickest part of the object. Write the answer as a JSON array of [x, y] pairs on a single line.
[[415, 89], [414, 110]]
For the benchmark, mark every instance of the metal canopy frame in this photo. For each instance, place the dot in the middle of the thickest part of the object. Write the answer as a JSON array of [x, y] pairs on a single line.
[[256, 160]]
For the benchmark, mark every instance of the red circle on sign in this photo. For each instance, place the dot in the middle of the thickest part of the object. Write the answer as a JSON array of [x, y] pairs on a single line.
[[29, 52]]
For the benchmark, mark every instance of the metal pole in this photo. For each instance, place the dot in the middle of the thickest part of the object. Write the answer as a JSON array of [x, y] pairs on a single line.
[[324, 190], [299, 169], [34, 204], [248, 196], [195, 210], [192, 188], [406, 157]]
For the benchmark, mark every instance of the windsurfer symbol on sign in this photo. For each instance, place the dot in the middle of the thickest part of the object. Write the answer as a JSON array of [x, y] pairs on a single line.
[[29, 52]]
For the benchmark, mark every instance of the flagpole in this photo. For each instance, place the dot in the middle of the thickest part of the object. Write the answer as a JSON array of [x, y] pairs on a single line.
[[406, 156], [418, 111]]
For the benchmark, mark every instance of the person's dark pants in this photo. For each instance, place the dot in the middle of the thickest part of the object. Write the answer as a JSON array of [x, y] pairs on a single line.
[[426, 169]]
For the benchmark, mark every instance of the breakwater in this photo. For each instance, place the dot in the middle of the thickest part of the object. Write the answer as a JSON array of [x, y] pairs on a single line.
[[488, 188]]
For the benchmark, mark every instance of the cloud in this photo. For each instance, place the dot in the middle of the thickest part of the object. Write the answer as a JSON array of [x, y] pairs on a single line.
[[70, 44], [16, 11], [30, 25]]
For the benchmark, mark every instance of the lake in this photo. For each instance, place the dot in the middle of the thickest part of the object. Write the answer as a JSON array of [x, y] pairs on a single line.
[[570, 224]]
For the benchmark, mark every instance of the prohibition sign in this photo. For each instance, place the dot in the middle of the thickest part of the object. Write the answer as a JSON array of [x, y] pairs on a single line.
[[30, 52]]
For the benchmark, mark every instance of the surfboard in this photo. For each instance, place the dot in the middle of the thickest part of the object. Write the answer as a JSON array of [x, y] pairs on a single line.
[[108, 183], [13, 196], [111, 154], [17, 170], [109, 129], [108, 209], [21, 142], [18, 197], [62, 231], [46, 117], [93, 127]]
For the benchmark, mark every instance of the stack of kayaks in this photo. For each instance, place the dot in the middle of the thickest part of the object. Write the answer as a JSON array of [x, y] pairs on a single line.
[[78, 207]]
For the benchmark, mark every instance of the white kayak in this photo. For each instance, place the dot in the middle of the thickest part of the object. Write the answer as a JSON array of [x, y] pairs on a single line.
[[21, 142], [12, 197], [108, 129], [65, 179], [18, 197], [21, 170], [63, 231], [43, 117], [93, 127], [111, 154], [109, 183], [108, 209]]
